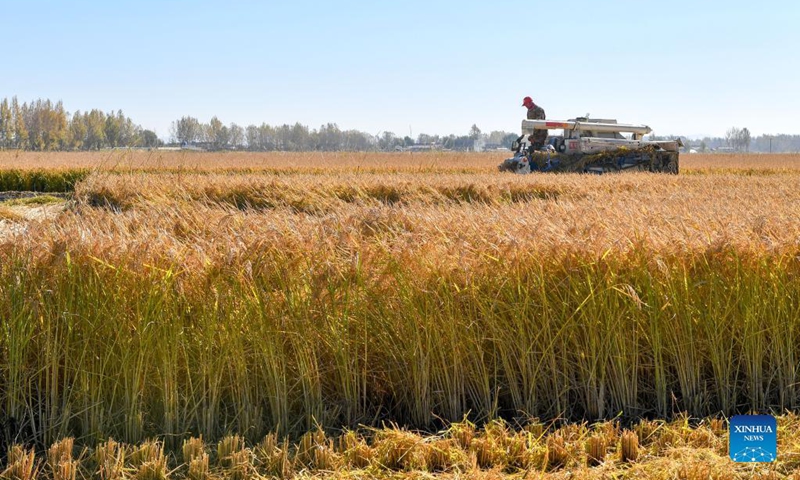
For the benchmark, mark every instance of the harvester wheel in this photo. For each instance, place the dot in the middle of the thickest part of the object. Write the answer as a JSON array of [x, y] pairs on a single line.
[[672, 167]]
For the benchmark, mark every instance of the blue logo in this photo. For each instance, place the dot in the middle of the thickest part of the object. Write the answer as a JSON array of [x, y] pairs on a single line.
[[753, 438]]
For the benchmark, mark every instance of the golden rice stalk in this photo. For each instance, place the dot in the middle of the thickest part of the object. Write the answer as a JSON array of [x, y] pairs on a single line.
[[60, 460], [557, 454], [695, 471], [316, 451], [595, 450], [629, 446], [400, 450], [702, 437], [304, 455], [152, 470], [241, 465], [325, 457], [266, 449], [481, 449], [148, 451], [193, 447], [535, 428], [110, 459], [355, 451], [61, 450], [445, 454], [272, 456], [647, 431], [718, 426], [535, 457], [198, 467], [517, 447], [463, 433], [22, 464], [65, 470], [149, 461], [666, 439], [227, 448]]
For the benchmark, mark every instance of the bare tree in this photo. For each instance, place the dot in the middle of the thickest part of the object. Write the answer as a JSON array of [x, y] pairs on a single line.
[[732, 137], [744, 139]]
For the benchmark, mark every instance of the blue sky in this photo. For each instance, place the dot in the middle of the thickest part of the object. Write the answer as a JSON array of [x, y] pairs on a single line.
[[681, 67]]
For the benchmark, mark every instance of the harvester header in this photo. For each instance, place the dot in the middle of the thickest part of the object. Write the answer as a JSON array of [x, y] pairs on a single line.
[[528, 126]]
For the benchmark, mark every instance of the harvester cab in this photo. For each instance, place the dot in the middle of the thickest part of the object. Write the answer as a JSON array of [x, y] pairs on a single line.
[[592, 146]]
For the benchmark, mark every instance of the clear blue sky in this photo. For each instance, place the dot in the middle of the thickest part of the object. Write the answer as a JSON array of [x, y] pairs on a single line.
[[682, 67]]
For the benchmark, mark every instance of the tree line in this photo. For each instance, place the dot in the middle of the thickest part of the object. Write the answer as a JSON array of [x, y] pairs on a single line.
[[44, 125], [741, 140], [215, 135], [189, 131]]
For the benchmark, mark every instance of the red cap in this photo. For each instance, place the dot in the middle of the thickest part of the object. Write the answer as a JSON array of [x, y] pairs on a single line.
[[527, 101]]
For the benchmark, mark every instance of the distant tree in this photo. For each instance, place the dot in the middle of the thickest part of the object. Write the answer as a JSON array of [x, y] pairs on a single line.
[[508, 140], [281, 139], [95, 129], [20, 131], [732, 137], [424, 139], [448, 142], [744, 139], [463, 143], [388, 141], [474, 132], [217, 133], [112, 130], [496, 137], [252, 138], [187, 129], [150, 139], [35, 116], [358, 141], [329, 138], [236, 135], [61, 126], [76, 133], [271, 138], [6, 125], [299, 138], [738, 139], [130, 134]]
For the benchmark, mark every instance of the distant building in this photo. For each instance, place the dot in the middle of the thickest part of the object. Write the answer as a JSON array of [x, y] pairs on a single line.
[[494, 147], [423, 147]]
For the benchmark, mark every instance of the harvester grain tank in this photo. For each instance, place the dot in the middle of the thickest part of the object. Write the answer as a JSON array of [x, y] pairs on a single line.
[[592, 146]]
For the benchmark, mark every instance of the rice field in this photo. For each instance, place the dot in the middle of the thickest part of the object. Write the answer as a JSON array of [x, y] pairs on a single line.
[[245, 296], [362, 162]]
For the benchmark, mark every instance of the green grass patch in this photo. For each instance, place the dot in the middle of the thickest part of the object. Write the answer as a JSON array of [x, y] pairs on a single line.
[[56, 181]]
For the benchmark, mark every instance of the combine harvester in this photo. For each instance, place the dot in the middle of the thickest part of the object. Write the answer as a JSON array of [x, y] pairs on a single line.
[[591, 146]]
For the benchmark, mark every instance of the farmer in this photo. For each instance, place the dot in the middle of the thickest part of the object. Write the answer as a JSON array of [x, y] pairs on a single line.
[[535, 112]]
